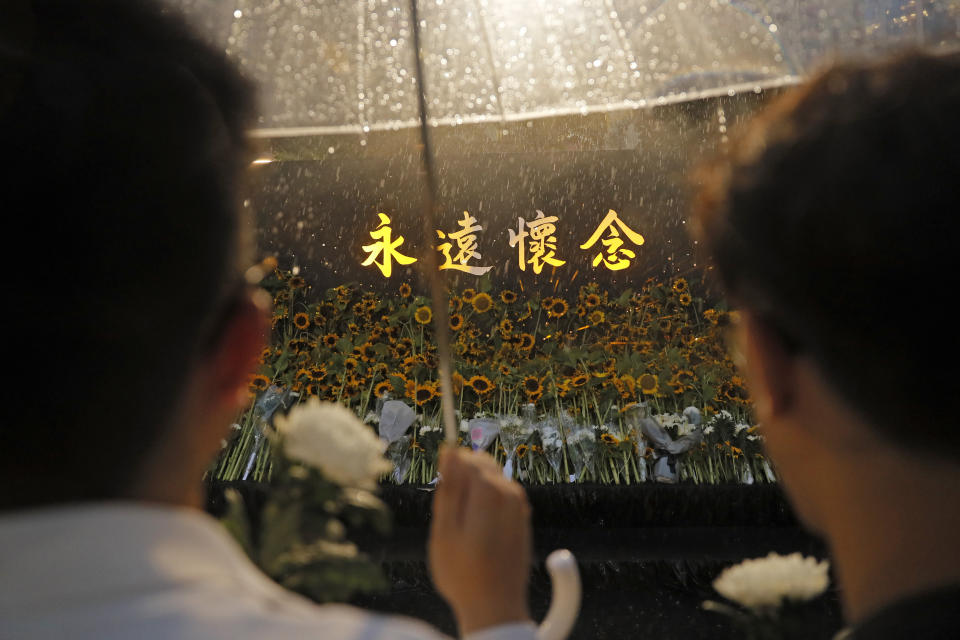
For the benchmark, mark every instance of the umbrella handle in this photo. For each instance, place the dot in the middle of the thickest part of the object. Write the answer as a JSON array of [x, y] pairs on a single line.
[[565, 604]]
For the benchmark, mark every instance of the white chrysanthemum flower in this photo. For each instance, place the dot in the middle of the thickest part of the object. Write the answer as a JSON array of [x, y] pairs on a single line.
[[331, 438], [740, 427], [708, 430], [764, 583]]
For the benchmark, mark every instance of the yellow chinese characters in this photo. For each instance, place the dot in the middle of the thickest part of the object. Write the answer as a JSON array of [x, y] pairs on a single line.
[[466, 239], [386, 246], [542, 245], [614, 256]]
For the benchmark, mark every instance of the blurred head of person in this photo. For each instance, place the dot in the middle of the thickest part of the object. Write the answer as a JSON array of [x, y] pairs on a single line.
[[128, 329], [833, 224]]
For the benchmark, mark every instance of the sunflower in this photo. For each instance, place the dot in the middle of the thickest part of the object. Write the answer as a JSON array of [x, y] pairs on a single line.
[[424, 393], [596, 317], [456, 304], [591, 300], [458, 382], [626, 386], [579, 380], [506, 326], [365, 352], [326, 309], [259, 382], [301, 321], [648, 383], [526, 341], [522, 451], [609, 439], [480, 384], [351, 389], [680, 285], [505, 370], [558, 309], [664, 324], [297, 282], [317, 374], [482, 302], [330, 340], [468, 295], [405, 290], [350, 364], [532, 386], [681, 381], [313, 389], [266, 354], [685, 299], [380, 369], [410, 389], [508, 297], [547, 303], [423, 315], [456, 322]]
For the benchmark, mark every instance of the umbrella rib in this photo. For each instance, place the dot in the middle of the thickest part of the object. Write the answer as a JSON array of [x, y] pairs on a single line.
[[493, 65], [361, 62], [616, 27]]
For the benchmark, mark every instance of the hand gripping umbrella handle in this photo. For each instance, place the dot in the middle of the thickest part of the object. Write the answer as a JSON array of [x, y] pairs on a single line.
[[565, 605]]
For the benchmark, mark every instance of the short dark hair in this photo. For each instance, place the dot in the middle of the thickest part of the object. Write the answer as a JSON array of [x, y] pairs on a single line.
[[836, 219], [124, 143]]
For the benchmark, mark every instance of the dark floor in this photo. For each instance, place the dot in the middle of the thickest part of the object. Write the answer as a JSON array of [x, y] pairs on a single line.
[[647, 555]]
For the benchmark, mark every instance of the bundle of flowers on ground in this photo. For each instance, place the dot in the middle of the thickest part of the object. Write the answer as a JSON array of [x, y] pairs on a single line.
[[766, 595], [560, 389]]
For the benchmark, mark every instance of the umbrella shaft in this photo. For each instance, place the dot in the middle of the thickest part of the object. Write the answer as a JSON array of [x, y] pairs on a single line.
[[438, 291]]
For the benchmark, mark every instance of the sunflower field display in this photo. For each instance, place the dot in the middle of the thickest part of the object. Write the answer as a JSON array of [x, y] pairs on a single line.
[[551, 381]]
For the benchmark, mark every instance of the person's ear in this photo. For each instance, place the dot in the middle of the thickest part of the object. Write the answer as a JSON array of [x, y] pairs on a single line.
[[234, 359], [768, 365]]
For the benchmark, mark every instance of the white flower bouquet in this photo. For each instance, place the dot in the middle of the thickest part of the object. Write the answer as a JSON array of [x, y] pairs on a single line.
[[766, 593], [326, 466]]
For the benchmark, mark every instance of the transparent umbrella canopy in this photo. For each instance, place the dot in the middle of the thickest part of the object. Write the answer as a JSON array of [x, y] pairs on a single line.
[[333, 67]]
